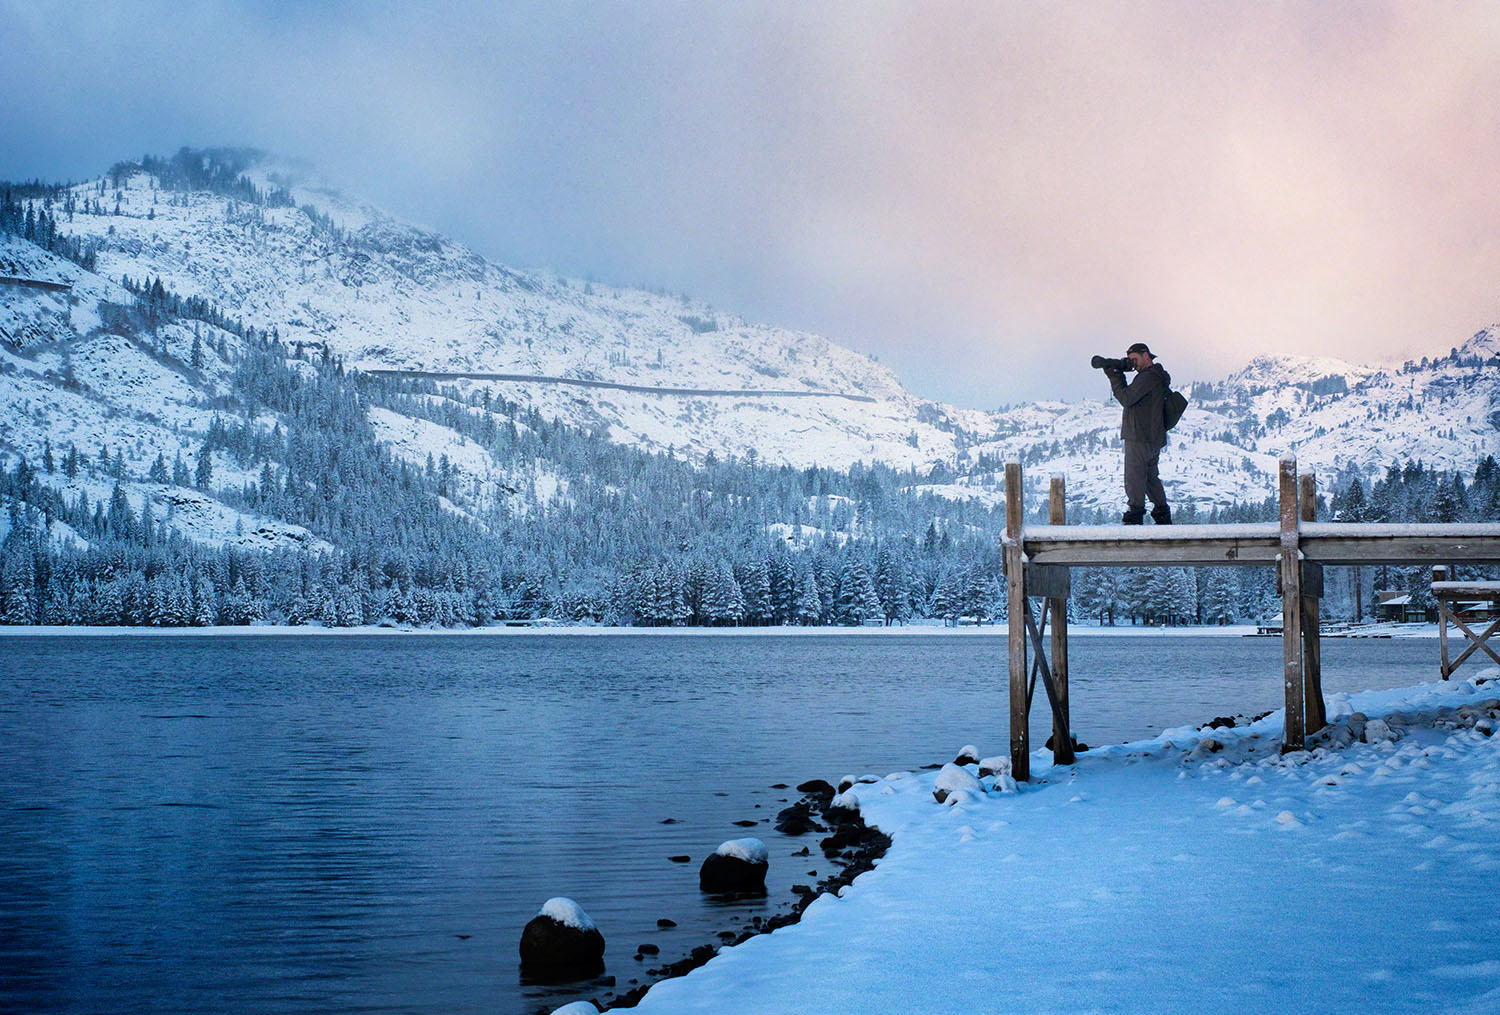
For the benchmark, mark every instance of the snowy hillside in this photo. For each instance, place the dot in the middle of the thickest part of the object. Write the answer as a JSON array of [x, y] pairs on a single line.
[[324, 270], [282, 254]]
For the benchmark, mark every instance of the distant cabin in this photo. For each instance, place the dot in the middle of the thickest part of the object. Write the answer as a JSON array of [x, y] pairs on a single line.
[[1397, 607]]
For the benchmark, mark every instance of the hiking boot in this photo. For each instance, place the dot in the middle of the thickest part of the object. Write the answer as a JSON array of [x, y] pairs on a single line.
[[1135, 516], [1162, 515]]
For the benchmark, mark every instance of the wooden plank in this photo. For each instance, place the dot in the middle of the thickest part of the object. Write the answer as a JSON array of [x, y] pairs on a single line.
[[1036, 668], [1048, 581], [1015, 580], [1171, 546], [1315, 714], [1477, 641], [1489, 591], [1260, 544], [1443, 668], [1057, 603], [1049, 682], [1293, 732], [1366, 543], [1312, 581]]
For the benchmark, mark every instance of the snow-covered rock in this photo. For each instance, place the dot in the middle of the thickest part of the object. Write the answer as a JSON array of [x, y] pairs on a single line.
[[561, 943], [954, 780], [739, 865]]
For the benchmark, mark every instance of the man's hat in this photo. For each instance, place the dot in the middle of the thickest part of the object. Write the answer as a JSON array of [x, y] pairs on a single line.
[[1139, 347]]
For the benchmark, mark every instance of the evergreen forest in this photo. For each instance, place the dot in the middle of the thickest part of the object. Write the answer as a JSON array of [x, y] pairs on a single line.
[[638, 538]]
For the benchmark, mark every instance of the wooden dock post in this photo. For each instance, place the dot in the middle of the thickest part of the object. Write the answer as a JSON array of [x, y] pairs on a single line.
[[1315, 712], [1441, 573], [1290, 566], [1015, 582], [1062, 727]]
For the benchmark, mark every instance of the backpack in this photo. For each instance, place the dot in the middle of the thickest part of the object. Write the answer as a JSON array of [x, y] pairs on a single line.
[[1172, 408]]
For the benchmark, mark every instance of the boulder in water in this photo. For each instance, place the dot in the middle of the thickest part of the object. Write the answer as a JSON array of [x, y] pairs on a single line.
[[738, 865], [561, 943]]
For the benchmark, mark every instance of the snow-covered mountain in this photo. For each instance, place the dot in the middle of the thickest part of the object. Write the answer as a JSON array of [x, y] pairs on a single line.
[[322, 269], [261, 243]]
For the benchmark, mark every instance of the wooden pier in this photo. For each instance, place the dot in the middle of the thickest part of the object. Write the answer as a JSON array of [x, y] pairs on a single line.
[[1038, 559]]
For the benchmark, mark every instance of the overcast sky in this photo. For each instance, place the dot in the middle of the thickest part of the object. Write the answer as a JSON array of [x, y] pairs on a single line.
[[982, 195]]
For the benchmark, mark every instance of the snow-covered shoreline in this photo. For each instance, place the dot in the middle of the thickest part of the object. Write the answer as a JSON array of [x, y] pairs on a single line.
[[1200, 871], [580, 630]]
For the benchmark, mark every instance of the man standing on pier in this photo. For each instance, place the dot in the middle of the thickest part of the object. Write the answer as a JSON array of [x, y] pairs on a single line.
[[1143, 429]]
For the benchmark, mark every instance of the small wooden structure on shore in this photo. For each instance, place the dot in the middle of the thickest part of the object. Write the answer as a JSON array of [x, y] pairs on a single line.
[[1460, 604], [1038, 559]]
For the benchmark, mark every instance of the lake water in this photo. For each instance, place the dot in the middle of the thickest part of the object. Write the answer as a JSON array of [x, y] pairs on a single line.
[[365, 823]]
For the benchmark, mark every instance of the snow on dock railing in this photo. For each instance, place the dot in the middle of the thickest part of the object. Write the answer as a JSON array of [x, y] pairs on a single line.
[[1260, 543], [1038, 559]]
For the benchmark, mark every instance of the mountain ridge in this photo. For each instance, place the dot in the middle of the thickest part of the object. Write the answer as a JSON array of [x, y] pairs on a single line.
[[286, 255]]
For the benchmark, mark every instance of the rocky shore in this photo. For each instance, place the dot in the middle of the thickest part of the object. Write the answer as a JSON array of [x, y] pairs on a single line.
[[847, 841]]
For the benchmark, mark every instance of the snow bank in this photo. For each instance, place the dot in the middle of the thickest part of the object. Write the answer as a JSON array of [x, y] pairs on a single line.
[[1169, 876]]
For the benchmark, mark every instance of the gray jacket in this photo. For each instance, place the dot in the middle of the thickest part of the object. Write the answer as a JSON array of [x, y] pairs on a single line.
[[1142, 398]]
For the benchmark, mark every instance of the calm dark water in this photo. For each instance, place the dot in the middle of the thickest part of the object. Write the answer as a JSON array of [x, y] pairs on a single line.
[[365, 823]]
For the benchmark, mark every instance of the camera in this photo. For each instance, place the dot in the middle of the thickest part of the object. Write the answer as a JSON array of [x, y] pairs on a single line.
[[1110, 363]]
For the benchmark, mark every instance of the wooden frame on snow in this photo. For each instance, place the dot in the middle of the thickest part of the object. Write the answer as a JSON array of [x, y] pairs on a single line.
[[1037, 559]]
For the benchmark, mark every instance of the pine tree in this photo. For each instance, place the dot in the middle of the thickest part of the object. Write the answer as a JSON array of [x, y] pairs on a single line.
[[16, 584], [893, 585], [755, 584], [1218, 604], [783, 588], [809, 606], [205, 474], [858, 600], [975, 597], [205, 605], [945, 602]]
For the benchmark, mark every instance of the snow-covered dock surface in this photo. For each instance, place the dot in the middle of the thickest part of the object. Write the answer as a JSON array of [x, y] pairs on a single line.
[[1166, 876]]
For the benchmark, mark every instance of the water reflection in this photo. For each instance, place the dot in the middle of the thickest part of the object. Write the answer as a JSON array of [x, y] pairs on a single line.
[[308, 824]]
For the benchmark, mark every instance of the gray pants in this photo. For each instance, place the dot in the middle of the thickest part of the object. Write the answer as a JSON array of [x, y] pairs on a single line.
[[1141, 477]]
